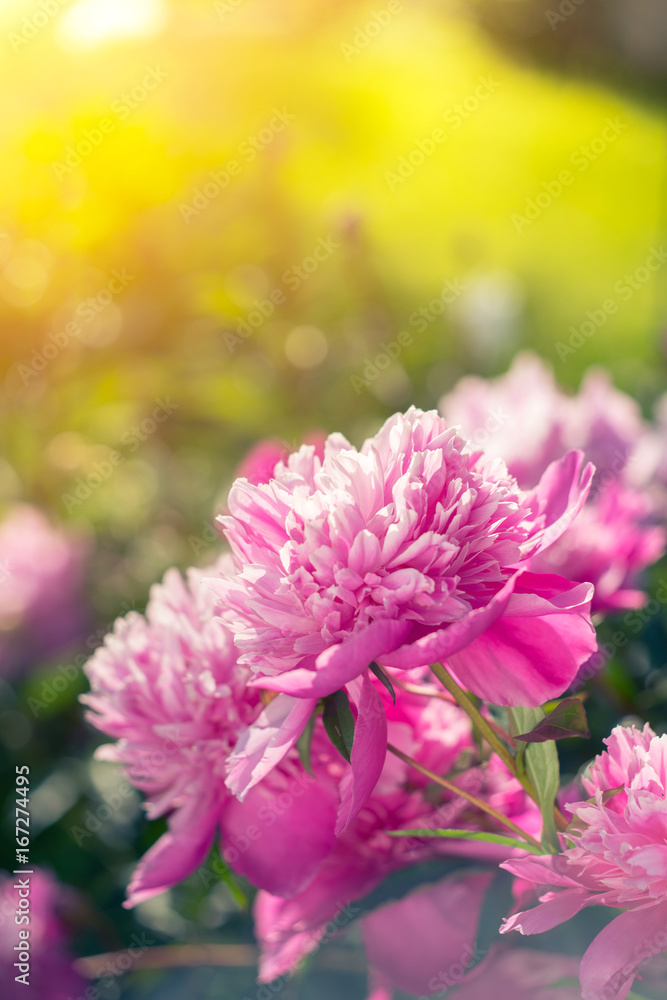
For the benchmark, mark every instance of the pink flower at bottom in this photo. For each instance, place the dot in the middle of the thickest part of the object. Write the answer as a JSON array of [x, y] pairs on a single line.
[[424, 944], [617, 857]]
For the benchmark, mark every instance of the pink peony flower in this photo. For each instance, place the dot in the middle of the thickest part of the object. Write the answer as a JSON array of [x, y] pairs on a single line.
[[41, 572], [167, 687], [51, 976], [409, 551], [524, 418], [438, 735], [424, 944], [617, 856]]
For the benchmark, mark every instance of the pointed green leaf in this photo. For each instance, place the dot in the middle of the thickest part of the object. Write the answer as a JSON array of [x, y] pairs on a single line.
[[567, 719], [381, 676], [541, 764], [491, 838], [339, 722]]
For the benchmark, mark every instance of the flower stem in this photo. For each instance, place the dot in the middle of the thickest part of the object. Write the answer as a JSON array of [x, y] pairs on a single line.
[[479, 722], [456, 790], [483, 727]]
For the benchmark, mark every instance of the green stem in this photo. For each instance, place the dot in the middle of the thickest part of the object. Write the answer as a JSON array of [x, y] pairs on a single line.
[[456, 790], [479, 722], [483, 727]]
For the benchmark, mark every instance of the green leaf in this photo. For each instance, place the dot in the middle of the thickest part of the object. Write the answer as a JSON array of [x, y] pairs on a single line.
[[491, 838], [339, 722], [541, 764], [304, 742], [567, 719], [381, 676]]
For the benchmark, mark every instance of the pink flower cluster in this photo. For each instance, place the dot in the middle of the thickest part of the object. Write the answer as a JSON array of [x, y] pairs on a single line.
[[616, 855], [352, 571], [524, 418]]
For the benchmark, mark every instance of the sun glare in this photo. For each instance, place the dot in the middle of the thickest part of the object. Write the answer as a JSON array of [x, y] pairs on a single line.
[[92, 22]]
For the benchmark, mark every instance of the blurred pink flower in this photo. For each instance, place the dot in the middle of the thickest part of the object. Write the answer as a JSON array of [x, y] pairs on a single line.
[[618, 859], [438, 735], [424, 944], [41, 601], [409, 551], [525, 418], [51, 976], [259, 464], [168, 688]]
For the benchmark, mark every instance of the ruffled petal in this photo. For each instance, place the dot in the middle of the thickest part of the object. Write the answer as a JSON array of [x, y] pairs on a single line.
[[264, 744]]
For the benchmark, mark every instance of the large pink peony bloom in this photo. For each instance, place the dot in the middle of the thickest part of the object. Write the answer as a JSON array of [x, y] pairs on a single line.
[[41, 571], [168, 688], [438, 735], [51, 976], [424, 944], [618, 859], [411, 550], [524, 418]]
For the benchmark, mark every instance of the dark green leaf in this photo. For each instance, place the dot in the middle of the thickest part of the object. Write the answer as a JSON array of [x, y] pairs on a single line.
[[303, 744], [541, 764], [339, 722], [381, 676], [567, 719], [491, 838]]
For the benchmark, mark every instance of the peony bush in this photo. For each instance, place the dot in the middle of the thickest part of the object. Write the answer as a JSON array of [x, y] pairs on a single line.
[[358, 704]]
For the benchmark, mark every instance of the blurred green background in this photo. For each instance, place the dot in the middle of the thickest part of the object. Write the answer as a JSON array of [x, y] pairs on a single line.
[[316, 174]]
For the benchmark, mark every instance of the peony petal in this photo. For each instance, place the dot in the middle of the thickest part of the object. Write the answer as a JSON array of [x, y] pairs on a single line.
[[264, 744], [525, 661], [178, 852], [610, 963], [444, 642], [339, 664], [556, 908], [559, 496], [369, 750], [281, 833]]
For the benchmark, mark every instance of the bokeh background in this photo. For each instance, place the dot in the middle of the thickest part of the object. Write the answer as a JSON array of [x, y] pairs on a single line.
[[222, 221]]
